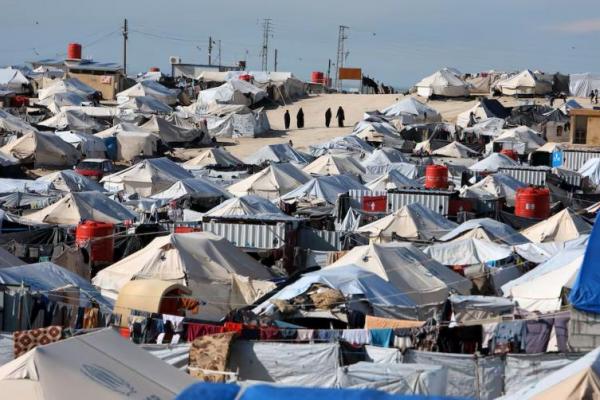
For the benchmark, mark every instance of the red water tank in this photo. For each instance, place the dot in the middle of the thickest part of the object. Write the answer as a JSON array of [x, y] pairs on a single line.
[[510, 154], [73, 51], [436, 177], [154, 69], [317, 77], [246, 77], [100, 237], [532, 203]]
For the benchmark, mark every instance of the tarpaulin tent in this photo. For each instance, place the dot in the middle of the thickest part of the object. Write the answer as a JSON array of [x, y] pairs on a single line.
[[591, 170], [232, 92], [468, 252], [57, 101], [247, 207], [492, 162], [271, 182], [70, 181], [494, 186], [481, 111], [524, 83], [323, 189], [407, 169], [342, 144], [442, 83], [70, 85], [455, 150], [522, 139], [563, 226], [335, 164], [581, 85], [393, 179], [132, 141], [218, 273], [278, 153], [89, 145], [151, 89], [383, 156], [486, 229], [73, 120], [43, 150], [411, 111], [13, 80], [169, 132], [195, 187], [584, 293], [214, 157], [489, 127], [145, 105], [242, 122], [12, 124]]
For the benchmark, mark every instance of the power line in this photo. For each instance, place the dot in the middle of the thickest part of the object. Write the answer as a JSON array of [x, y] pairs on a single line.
[[267, 32]]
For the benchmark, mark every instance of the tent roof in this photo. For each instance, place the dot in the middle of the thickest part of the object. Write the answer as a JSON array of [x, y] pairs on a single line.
[[409, 105], [383, 156], [282, 152], [152, 89], [44, 149], [276, 179], [341, 144], [324, 188], [70, 181], [169, 132], [494, 186], [145, 105], [335, 164], [197, 187], [467, 252], [71, 85], [563, 226], [214, 156], [248, 207], [456, 150], [489, 228], [11, 123], [492, 162], [393, 179]]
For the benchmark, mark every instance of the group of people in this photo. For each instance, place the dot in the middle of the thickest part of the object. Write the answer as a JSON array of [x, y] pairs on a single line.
[[340, 116], [594, 96]]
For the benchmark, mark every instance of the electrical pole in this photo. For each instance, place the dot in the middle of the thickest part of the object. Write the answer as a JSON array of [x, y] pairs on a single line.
[[210, 42], [275, 66], [264, 54], [125, 36], [219, 52], [328, 72], [342, 36]]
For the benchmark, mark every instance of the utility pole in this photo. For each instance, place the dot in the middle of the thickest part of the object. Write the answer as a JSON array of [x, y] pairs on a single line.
[[264, 54], [328, 72], [125, 36], [210, 43], [342, 36], [219, 48], [275, 66]]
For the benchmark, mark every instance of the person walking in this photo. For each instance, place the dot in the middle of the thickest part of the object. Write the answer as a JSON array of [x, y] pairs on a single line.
[[328, 117], [300, 119], [592, 94], [340, 117], [596, 96], [287, 119]]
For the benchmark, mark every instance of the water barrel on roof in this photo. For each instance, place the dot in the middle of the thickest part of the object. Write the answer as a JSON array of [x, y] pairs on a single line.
[[317, 77], [154, 69], [436, 177], [532, 203], [73, 51]]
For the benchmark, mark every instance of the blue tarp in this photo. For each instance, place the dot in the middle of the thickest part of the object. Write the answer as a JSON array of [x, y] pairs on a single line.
[[211, 391], [585, 295]]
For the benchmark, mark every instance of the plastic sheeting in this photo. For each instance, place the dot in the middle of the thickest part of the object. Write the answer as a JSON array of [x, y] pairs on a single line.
[[232, 92], [342, 144], [493, 162], [584, 293], [271, 182], [561, 227], [581, 85], [330, 164], [70, 181], [177, 355], [468, 252], [323, 189], [411, 111], [149, 88], [278, 153], [486, 228]]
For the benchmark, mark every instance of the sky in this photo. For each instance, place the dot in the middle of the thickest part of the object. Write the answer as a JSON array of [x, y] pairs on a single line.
[[394, 41]]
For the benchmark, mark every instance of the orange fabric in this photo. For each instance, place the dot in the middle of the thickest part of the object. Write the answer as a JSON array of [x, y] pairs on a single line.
[[190, 304], [380, 323]]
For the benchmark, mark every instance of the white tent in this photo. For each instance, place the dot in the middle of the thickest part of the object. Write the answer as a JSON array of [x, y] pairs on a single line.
[[524, 83], [323, 189], [408, 269], [237, 121], [213, 156], [382, 133], [278, 153], [468, 252], [455, 150], [147, 177], [247, 207], [494, 186], [195, 187], [522, 139], [492, 162], [74, 120], [232, 92], [442, 83], [70, 85], [57, 101], [70, 181], [591, 170], [561, 227], [413, 221], [12, 124], [383, 156], [145, 105], [13, 80], [149, 88], [100, 364], [481, 111], [89, 145], [411, 111], [80, 206], [393, 179], [341, 144], [132, 141], [271, 182], [42, 149], [489, 127], [169, 132], [217, 272], [485, 229], [335, 164], [581, 85]]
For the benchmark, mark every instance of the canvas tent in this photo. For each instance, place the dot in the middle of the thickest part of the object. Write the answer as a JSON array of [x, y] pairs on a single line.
[[80, 206], [468, 252], [70, 85], [481, 111], [42, 149], [247, 207], [489, 127], [581, 85], [70, 181], [411, 111], [271, 182], [147, 177], [524, 83], [100, 364], [278, 153], [144, 105], [89, 145], [455, 150], [12, 124], [442, 83], [194, 187], [232, 92], [57, 101], [213, 157], [323, 189], [342, 144], [521, 139], [494, 186], [169, 132], [236, 121], [485, 229], [492, 162], [334, 164], [132, 141], [383, 156], [73, 120], [13, 80], [393, 179], [563, 226], [151, 89], [412, 222], [217, 272], [408, 269]]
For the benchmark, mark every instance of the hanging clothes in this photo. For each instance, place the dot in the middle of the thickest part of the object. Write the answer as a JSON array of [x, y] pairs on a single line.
[[508, 337], [195, 330], [23, 341], [305, 335], [381, 337], [537, 335], [356, 336]]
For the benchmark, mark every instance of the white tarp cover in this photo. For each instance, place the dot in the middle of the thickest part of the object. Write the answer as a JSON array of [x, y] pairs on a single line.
[[70, 85], [399, 379], [341, 144], [411, 111], [43, 149], [57, 101], [489, 127], [271, 182], [70, 181], [151, 89], [215, 270], [522, 139], [323, 189], [232, 92], [147, 177], [492, 162], [286, 363], [408, 269], [467, 252], [379, 132], [456, 150], [177, 355], [480, 113], [131, 141], [442, 83], [467, 376], [591, 170], [13, 80], [562, 227], [335, 164], [195, 187], [581, 85], [384, 355], [74, 120], [393, 179], [8, 185], [577, 380], [524, 83], [278, 153], [13, 124], [250, 123], [145, 105], [89, 145], [248, 207], [409, 170], [383, 156], [80, 206], [413, 221], [494, 186], [215, 156], [100, 364], [168, 132], [486, 229]]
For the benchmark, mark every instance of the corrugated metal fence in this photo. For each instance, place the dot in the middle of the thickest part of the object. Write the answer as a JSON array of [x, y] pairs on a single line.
[[249, 236], [435, 200], [574, 159], [529, 175]]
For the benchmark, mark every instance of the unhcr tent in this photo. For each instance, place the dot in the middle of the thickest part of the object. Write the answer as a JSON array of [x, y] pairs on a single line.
[[145, 105], [561, 227], [12, 124], [412, 222], [132, 141], [485, 229], [278, 153], [341, 144], [393, 179], [73, 120], [214, 157], [494, 186], [70, 181], [169, 132], [334, 164], [217, 272], [468, 252], [70, 85], [80, 206], [193, 187], [323, 189], [13, 80], [43, 150], [581, 85], [247, 207], [233, 92], [100, 364], [147, 177], [481, 111], [383, 156], [271, 182], [492, 162], [411, 111], [408, 269], [89, 145], [443, 83], [455, 150], [524, 83], [149, 89]]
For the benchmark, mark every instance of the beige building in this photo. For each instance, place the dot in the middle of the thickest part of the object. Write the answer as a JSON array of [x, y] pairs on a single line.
[[585, 126], [107, 78]]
